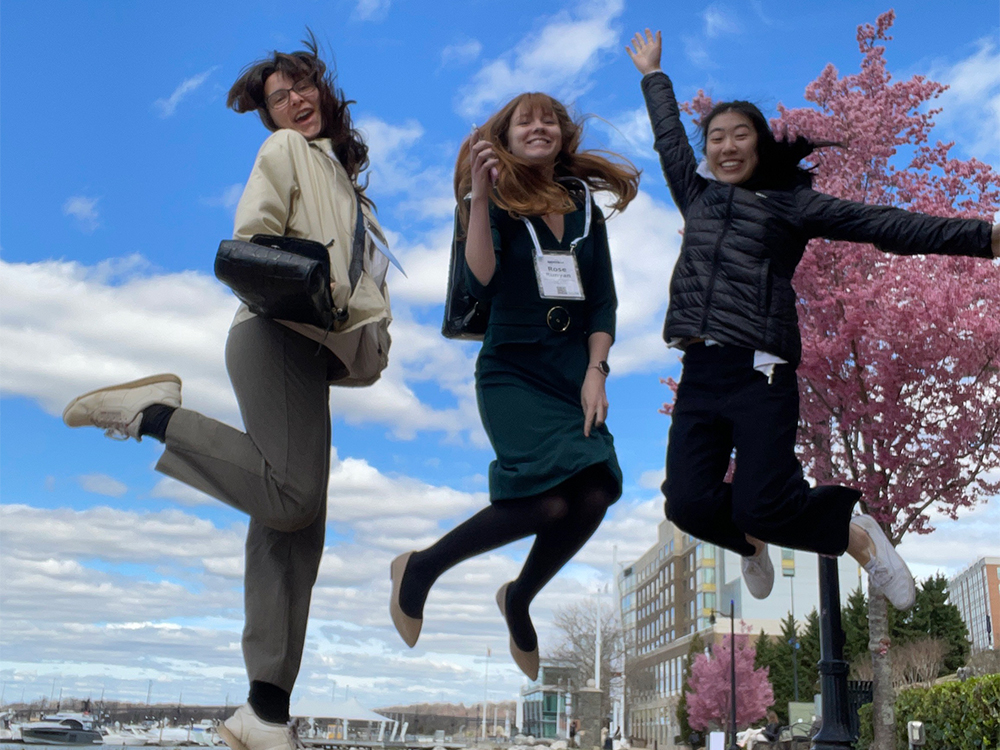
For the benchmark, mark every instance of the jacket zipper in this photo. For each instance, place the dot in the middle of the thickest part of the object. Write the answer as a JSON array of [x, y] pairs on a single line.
[[716, 260]]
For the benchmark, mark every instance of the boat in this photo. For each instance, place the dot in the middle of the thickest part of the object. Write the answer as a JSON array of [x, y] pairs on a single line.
[[126, 736], [61, 729]]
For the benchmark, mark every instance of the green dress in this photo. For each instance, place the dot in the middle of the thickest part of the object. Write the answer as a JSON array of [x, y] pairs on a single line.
[[529, 375]]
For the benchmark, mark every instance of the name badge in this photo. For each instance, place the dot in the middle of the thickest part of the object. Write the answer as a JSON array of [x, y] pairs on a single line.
[[557, 271], [558, 275]]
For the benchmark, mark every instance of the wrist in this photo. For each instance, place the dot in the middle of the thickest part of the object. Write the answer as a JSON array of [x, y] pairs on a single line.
[[601, 366]]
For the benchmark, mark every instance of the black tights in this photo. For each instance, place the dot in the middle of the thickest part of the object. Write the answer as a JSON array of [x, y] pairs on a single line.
[[562, 520]]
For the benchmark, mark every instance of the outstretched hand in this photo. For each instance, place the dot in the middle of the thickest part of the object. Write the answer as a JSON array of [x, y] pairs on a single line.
[[646, 56]]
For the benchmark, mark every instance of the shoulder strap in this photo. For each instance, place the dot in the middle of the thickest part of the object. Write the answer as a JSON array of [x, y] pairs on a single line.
[[358, 249]]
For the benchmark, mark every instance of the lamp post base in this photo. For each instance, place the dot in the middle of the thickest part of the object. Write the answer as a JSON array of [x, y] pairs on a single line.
[[836, 730]]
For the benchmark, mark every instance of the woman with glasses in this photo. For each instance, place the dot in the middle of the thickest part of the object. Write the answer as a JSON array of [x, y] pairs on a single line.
[[536, 246], [304, 183]]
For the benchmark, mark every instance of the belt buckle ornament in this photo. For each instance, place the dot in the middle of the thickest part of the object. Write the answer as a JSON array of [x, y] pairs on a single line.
[[558, 319]]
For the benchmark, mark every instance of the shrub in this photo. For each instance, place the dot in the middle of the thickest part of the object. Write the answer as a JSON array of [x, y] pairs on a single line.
[[962, 715]]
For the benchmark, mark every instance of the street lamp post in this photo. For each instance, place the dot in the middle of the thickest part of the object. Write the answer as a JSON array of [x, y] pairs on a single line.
[[732, 668], [835, 734]]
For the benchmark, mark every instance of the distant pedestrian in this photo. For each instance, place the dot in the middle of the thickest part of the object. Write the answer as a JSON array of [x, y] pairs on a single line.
[[304, 184], [749, 210], [536, 246]]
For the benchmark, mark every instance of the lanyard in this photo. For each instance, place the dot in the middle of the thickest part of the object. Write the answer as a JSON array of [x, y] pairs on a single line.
[[586, 223]]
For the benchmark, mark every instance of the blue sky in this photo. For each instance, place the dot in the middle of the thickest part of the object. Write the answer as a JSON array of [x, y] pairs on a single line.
[[121, 170]]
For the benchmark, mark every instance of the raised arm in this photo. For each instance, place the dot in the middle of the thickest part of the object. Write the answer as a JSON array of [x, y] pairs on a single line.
[[479, 252], [677, 158], [894, 230]]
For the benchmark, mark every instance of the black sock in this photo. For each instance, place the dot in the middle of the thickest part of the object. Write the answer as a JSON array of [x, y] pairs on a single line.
[[269, 702], [154, 421]]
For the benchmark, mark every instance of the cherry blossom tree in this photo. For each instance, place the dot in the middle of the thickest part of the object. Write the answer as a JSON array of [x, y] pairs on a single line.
[[900, 374], [709, 701]]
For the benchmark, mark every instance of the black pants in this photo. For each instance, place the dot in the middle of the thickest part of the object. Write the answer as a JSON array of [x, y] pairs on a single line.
[[722, 403]]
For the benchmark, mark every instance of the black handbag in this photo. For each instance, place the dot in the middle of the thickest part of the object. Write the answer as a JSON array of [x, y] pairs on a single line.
[[287, 278], [465, 317]]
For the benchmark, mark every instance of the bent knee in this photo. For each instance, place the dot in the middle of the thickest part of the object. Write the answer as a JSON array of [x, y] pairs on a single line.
[[555, 509], [760, 522], [296, 511], [681, 506], [292, 522]]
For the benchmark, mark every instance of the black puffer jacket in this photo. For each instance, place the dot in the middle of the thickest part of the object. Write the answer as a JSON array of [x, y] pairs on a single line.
[[733, 280]]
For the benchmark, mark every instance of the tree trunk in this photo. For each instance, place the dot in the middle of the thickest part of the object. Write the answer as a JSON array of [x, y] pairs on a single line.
[[884, 701]]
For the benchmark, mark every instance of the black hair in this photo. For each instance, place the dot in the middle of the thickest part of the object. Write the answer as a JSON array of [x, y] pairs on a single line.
[[777, 161]]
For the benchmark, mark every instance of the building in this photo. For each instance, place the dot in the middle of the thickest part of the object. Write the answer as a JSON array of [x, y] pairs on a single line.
[[546, 701], [671, 593], [976, 593]]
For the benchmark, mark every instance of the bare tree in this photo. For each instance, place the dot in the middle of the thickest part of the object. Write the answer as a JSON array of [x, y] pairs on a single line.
[[577, 624], [984, 662]]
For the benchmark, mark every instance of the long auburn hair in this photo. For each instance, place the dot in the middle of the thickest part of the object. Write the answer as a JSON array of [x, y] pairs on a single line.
[[521, 188], [247, 95]]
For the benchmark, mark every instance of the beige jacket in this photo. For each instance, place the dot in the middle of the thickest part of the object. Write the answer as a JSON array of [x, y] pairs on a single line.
[[298, 188]]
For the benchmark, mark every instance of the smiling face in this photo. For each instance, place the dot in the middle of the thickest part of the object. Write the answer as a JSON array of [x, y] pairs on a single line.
[[299, 111], [534, 134], [731, 147]]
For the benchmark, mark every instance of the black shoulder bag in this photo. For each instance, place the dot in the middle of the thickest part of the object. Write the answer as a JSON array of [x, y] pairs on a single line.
[[465, 317], [287, 278]]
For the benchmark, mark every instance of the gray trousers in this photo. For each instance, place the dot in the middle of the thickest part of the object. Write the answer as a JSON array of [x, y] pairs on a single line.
[[277, 473]]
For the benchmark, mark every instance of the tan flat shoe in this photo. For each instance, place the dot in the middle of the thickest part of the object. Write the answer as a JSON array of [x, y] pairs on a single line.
[[526, 660], [407, 627]]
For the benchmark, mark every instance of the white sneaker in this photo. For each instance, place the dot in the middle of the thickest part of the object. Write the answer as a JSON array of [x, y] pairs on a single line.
[[887, 573], [245, 731], [117, 409], [758, 573]]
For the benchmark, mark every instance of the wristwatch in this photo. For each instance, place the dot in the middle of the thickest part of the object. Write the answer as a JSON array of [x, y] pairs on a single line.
[[604, 367]]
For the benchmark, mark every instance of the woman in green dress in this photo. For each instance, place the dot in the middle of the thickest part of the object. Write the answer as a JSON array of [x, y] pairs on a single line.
[[536, 246]]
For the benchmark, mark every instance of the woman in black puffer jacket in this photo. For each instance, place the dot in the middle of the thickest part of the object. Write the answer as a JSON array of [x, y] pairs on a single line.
[[748, 218]]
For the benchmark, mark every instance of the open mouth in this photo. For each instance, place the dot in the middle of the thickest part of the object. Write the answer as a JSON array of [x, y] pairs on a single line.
[[303, 115]]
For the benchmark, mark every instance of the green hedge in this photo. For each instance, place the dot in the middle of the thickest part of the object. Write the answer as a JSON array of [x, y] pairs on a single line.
[[956, 715]]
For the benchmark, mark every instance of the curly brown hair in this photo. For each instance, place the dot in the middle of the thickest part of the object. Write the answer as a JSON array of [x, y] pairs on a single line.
[[247, 95], [524, 190]]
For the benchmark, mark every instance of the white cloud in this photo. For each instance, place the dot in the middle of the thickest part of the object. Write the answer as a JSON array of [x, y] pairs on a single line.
[[696, 51], [372, 10], [461, 53], [102, 484], [396, 170], [644, 244], [557, 59], [652, 479], [971, 105], [167, 107], [718, 21], [228, 198], [84, 210], [954, 544], [114, 622], [68, 328], [631, 135]]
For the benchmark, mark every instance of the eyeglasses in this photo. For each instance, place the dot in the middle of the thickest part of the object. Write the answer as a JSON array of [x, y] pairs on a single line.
[[279, 99]]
